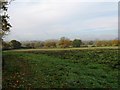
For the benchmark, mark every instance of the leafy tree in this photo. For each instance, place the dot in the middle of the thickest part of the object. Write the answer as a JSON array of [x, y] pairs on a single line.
[[32, 44], [103, 43], [38, 44], [64, 42], [4, 23], [76, 43], [5, 46], [50, 43], [115, 42], [27, 45], [91, 42], [98, 43], [15, 44]]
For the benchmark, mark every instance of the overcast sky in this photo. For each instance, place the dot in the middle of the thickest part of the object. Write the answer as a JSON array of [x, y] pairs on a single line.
[[52, 19]]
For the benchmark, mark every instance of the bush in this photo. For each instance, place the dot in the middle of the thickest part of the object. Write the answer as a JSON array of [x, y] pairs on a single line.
[[76, 43], [15, 44]]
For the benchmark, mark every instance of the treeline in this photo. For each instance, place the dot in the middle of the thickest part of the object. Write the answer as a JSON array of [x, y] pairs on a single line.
[[62, 43], [13, 44]]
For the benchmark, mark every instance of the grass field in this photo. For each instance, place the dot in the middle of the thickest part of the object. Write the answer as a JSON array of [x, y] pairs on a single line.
[[86, 68]]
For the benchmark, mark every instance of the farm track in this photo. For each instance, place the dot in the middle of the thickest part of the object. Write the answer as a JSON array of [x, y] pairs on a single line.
[[62, 49]]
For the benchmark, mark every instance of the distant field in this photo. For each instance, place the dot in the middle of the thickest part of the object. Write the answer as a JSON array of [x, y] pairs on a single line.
[[61, 68]]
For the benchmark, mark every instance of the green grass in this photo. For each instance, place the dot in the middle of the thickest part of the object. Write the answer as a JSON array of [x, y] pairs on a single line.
[[61, 69]]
